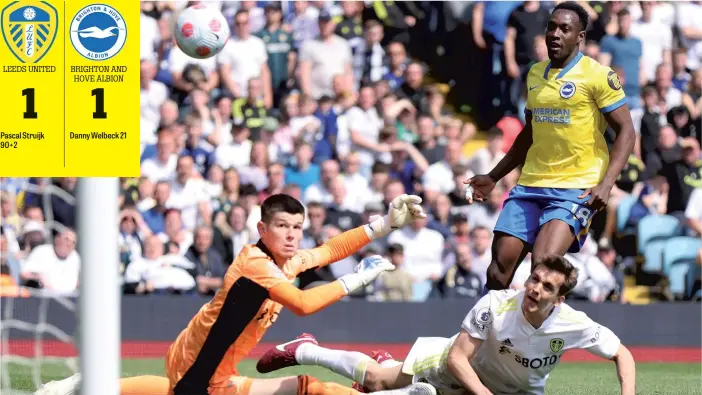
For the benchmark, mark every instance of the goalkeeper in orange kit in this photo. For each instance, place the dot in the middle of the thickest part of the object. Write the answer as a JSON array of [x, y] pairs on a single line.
[[257, 285]]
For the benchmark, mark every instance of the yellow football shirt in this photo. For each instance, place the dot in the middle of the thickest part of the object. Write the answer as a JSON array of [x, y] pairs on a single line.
[[567, 107]]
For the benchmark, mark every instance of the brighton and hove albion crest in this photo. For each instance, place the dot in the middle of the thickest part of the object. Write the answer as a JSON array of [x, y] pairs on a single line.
[[98, 32], [29, 29]]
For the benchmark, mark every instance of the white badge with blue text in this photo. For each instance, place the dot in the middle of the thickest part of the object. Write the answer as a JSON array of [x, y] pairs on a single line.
[[567, 90]]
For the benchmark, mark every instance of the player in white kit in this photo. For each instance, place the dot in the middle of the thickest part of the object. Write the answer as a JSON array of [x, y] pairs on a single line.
[[508, 344]]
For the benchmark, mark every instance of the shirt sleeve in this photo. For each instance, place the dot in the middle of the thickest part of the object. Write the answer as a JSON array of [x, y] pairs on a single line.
[[599, 340], [607, 90], [478, 322], [334, 250]]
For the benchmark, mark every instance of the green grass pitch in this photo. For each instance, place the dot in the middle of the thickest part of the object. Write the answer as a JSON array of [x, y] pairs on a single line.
[[567, 378]]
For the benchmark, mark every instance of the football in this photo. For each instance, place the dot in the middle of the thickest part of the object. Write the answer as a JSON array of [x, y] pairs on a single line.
[[201, 31]]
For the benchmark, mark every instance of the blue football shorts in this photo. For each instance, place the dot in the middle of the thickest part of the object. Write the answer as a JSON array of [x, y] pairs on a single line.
[[527, 209]]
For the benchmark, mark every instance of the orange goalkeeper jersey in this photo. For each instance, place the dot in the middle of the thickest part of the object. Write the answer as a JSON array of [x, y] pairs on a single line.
[[225, 330]]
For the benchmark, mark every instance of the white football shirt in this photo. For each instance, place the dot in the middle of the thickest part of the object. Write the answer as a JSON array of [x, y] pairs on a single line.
[[516, 358]]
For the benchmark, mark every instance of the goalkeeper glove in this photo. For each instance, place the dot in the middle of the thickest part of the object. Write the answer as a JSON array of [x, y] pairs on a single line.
[[403, 210], [365, 272]]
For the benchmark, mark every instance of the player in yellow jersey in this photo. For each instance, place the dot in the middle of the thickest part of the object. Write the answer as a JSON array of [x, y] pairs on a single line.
[[567, 172]]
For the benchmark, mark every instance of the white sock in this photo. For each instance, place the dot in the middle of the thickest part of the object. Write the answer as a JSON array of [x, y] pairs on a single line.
[[349, 364]]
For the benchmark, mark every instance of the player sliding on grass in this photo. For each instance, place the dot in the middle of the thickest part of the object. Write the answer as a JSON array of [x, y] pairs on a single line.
[[508, 344], [567, 174], [257, 285]]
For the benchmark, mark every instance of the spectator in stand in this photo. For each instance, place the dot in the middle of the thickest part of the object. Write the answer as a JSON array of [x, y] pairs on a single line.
[[668, 96], [56, 267], [656, 39], [162, 167], [244, 57], [152, 96], [276, 181], [282, 55], [683, 175], [439, 179], [236, 154], [189, 194], [349, 25], [323, 58], [208, 270], [302, 172], [321, 192], [156, 272], [689, 21], [394, 286], [251, 109], [625, 51], [197, 148], [525, 23], [692, 98], [681, 76], [485, 159], [155, 216], [461, 280], [423, 248], [302, 22], [369, 59], [364, 125], [396, 65], [338, 212], [412, 88], [174, 232]]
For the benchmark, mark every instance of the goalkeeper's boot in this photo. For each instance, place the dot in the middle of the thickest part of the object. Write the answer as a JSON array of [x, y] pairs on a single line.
[[69, 386], [283, 355], [379, 356]]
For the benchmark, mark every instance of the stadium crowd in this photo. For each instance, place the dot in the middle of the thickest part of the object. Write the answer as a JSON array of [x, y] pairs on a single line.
[[321, 100]]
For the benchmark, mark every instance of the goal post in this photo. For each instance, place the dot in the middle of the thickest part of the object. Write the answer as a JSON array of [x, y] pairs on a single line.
[[100, 288]]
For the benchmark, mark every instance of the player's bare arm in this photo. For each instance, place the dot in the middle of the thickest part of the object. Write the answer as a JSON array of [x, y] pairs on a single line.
[[462, 351], [620, 121], [626, 370], [483, 184]]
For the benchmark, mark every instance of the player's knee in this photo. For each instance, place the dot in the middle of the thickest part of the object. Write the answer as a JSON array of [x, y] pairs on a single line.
[[496, 278]]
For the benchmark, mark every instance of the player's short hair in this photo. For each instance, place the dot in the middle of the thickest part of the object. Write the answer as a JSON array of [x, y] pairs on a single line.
[[561, 265], [280, 203], [577, 9]]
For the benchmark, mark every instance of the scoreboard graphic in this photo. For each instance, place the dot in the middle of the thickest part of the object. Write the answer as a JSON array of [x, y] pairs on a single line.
[[69, 82]]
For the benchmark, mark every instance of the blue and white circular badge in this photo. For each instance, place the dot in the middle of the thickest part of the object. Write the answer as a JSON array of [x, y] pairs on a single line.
[[98, 32], [567, 90]]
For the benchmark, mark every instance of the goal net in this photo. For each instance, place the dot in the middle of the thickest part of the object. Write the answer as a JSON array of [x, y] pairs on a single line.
[[39, 328]]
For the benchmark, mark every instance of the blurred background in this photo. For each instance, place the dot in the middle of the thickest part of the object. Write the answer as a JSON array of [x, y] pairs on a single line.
[[345, 105]]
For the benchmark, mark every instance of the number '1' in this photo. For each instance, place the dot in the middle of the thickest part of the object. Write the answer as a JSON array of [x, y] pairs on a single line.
[[99, 113]]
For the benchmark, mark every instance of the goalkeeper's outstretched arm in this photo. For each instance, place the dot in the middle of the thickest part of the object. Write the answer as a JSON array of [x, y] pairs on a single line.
[[403, 210], [313, 300]]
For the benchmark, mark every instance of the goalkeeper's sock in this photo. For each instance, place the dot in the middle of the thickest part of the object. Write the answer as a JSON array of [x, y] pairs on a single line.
[[349, 364], [144, 385], [308, 385]]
